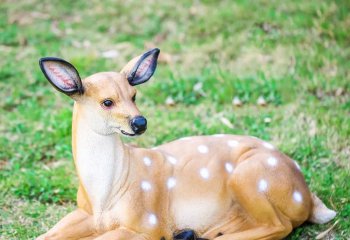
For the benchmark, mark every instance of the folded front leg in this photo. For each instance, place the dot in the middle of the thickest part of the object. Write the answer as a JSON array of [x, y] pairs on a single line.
[[121, 234], [77, 224]]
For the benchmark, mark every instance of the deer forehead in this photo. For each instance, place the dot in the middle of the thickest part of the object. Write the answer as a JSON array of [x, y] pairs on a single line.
[[108, 85]]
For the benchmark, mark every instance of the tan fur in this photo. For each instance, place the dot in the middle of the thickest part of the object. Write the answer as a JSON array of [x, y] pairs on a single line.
[[238, 187]]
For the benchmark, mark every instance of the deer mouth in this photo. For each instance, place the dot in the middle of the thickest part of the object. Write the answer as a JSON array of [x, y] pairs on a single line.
[[127, 134]]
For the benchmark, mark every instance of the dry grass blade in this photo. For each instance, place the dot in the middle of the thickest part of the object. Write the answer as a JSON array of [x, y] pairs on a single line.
[[324, 233]]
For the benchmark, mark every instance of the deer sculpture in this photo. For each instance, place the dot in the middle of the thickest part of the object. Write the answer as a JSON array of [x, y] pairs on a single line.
[[222, 187]]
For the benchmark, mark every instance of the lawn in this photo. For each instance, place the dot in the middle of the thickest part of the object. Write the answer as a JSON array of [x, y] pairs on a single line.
[[293, 55]]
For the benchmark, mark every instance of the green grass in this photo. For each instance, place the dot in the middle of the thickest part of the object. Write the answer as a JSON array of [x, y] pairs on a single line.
[[293, 53]]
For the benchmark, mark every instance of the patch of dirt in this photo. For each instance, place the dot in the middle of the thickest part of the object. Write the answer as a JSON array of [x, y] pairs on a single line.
[[275, 63], [26, 18], [340, 93], [3, 164]]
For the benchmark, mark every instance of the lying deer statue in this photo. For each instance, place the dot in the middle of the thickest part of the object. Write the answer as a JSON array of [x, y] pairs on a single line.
[[222, 186]]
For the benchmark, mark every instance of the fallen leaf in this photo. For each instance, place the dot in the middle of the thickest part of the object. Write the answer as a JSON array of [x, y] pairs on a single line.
[[197, 10], [339, 92], [226, 122], [267, 120], [237, 102], [169, 101], [110, 54], [165, 58], [261, 101], [198, 86], [55, 30]]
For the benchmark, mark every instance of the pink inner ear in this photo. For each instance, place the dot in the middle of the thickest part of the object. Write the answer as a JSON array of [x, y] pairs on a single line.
[[142, 69], [59, 75]]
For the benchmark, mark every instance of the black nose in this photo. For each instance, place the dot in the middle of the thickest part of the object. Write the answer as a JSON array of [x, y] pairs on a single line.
[[187, 234], [138, 124]]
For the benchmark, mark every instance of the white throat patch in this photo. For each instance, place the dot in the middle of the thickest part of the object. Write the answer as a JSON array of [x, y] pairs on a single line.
[[99, 163]]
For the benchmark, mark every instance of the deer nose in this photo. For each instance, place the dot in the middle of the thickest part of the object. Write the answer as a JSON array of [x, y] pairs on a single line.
[[138, 124]]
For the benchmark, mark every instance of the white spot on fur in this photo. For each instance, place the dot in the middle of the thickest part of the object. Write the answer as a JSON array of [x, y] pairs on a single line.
[[229, 167], [204, 172], [203, 149], [268, 145], [171, 182], [146, 186], [152, 219], [172, 160], [297, 165], [147, 161], [272, 161], [297, 197], [233, 143], [262, 185]]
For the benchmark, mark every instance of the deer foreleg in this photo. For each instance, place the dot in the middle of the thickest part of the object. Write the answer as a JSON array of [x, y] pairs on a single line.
[[121, 234], [77, 224]]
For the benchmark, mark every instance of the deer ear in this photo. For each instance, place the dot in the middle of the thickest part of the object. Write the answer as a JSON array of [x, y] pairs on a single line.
[[62, 75], [141, 69]]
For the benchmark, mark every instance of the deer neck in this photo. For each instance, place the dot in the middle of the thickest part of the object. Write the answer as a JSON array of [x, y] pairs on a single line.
[[100, 161]]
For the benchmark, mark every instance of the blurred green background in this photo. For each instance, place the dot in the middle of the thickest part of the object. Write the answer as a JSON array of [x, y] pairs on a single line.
[[287, 62]]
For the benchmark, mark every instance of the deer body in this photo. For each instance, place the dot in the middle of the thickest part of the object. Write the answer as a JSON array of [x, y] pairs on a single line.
[[222, 186]]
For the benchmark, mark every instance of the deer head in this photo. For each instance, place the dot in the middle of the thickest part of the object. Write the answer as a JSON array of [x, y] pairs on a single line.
[[105, 99]]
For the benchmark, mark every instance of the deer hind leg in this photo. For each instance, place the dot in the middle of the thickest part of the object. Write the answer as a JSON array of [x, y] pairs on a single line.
[[266, 224], [265, 197], [261, 233], [271, 226]]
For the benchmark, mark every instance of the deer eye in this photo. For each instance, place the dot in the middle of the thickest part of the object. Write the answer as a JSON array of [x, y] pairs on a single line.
[[133, 98], [107, 103]]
